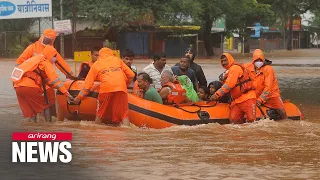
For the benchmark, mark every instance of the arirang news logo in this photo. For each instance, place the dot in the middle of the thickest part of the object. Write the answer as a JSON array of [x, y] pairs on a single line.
[[41, 147]]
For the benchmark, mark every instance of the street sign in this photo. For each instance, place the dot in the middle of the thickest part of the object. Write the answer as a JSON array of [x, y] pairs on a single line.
[[219, 25], [63, 26], [256, 30], [16, 9]]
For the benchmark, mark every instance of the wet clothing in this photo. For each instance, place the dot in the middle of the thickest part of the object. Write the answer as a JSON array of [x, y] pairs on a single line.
[[112, 106], [152, 95], [114, 76], [264, 79], [231, 84], [199, 73], [274, 102], [29, 85], [37, 48], [190, 73], [155, 75], [235, 72], [111, 71], [239, 110], [31, 101]]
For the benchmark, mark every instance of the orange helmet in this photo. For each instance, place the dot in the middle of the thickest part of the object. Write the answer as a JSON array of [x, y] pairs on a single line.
[[48, 37]]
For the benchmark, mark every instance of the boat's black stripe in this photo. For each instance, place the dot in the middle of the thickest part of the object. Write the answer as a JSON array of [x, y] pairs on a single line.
[[174, 120], [163, 116]]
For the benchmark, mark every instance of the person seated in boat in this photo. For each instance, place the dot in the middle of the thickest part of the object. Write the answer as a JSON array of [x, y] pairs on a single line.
[[238, 83], [149, 92], [203, 93], [85, 66], [127, 57], [188, 86], [265, 83], [213, 87], [172, 92], [184, 69], [114, 76], [156, 68], [201, 78]]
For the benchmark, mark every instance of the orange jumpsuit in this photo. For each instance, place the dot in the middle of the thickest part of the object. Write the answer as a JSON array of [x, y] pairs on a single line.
[[265, 82], [37, 48], [29, 89], [114, 76], [245, 103]]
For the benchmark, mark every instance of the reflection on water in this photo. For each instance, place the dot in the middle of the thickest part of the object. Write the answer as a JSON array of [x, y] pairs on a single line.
[[262, 150]]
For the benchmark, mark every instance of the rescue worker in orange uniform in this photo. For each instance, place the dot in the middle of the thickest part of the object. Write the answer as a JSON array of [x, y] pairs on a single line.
[[114, 76], [85, 66], [265, 83], [241, 89], [31, 89], [47, 38], [171, 92]]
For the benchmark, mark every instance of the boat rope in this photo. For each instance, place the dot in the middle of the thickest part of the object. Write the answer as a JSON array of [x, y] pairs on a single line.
[[177, 106], [75, 113], [197, 105], [263, 114]]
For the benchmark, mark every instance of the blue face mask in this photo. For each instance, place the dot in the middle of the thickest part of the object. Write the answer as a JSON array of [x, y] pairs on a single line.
[[258, 64]]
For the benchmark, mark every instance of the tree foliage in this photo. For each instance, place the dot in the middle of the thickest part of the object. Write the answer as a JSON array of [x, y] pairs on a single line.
[[240, 14], [286, 10]]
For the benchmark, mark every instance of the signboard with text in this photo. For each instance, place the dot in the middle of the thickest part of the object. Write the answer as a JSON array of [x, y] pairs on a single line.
[[63, 26], [16, 9]]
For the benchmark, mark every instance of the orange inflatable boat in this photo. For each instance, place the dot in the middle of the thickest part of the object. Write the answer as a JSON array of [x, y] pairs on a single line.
[[143, 113]]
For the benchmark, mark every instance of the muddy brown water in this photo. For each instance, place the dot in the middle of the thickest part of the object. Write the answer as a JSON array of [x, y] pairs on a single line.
[[262, 150]]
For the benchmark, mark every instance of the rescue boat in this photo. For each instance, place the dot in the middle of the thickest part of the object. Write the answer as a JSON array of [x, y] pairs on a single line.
[[143, 113]]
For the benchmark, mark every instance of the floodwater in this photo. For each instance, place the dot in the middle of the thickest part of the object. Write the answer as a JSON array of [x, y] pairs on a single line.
[[262, 150]]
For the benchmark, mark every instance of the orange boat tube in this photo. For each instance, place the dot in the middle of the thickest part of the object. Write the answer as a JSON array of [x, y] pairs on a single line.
[[143, 113]]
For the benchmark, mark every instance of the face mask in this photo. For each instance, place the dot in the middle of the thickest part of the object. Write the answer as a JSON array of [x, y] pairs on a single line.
[[258, 64]]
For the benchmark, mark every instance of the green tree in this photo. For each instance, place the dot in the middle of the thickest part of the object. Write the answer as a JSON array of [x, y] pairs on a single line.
[[244, 13], [286, 10], [13, 35]]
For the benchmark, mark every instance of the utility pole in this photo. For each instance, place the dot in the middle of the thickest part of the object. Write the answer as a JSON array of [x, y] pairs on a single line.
[[61, 35]]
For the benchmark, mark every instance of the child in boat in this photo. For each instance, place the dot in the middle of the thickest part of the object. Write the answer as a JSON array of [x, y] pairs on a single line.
[[213, 87], [203, 93]]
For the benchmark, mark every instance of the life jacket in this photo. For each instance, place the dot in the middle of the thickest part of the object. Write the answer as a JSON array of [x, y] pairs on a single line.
[[244, 84], [25, 69], [177, 94]]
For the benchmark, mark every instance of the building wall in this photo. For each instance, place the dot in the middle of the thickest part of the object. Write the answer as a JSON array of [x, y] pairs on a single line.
[[138, 42], [175, 47]]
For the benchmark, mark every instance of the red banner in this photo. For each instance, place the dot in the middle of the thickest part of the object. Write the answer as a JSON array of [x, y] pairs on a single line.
[[41, 136]]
